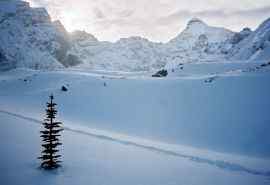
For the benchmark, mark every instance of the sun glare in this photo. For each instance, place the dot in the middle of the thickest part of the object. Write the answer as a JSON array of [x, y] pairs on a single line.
[[69, 18]]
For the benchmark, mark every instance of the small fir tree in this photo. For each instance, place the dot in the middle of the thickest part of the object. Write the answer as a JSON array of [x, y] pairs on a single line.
[[50, 138]]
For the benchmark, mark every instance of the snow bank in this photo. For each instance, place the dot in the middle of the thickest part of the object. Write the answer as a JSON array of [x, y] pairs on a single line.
[[228, 115], [90, 160]]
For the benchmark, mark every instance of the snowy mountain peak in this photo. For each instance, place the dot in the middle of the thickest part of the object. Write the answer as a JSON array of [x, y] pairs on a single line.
[[265, 24], [30, 39], [241, 35], [78, 36], [196, 21], [197, 32], [246, 29]]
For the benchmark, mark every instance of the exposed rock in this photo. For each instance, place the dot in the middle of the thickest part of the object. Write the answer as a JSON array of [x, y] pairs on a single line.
[[64, 88], [161, 73], [241, 35]]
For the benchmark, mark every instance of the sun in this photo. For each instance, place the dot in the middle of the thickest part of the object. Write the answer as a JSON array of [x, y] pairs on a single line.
[[70, 20]]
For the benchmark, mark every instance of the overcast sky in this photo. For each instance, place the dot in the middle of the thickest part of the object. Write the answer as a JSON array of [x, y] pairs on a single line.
[[157, 20]]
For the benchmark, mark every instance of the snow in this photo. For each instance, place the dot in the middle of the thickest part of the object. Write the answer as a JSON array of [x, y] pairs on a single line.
[[142, 130], [256, 46], [7, 7], [197, 27], [133, 103], [90, 160], [198, 42], [205, 123], [30, 39], [139, 54]]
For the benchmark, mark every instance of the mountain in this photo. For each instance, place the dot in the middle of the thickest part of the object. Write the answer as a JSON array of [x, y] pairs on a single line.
[[127, 54], [256, 46], [197, 42], [198, 33], [29, 38]]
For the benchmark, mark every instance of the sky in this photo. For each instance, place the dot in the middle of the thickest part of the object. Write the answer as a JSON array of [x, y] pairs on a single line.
[[156, 20]]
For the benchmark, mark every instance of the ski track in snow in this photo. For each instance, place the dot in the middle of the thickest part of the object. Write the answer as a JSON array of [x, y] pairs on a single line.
[[217, 163]]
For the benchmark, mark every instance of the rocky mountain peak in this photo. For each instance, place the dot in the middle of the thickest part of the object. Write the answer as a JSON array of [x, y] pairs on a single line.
[[195, 21]]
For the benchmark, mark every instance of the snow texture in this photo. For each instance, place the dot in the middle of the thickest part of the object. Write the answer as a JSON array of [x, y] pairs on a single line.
[[206, 124]]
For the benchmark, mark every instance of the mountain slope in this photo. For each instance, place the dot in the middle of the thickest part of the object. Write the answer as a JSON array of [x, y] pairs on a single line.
[[30, 39], [256, 46], [197, 42], [98, 160], [197, 31], [131, 54]]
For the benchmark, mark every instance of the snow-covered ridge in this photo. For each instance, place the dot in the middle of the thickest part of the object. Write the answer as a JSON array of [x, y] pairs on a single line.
[[224, 161], [256, 46], [30, 39], [197, 28], [198, 42]]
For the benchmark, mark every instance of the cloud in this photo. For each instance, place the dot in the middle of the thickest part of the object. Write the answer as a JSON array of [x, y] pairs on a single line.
[[157, 20], [126, 13], [98, 13], [264, 11], [221, 14]]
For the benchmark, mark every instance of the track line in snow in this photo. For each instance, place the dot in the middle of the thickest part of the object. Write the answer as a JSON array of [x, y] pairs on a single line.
[[217, 163]]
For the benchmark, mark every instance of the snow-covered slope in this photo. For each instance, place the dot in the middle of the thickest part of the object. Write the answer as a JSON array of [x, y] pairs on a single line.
[[99, 159], [129, 54], [206, 107], [256, 46], [30, 39], [201, 37], [198, 42], [199, 128]]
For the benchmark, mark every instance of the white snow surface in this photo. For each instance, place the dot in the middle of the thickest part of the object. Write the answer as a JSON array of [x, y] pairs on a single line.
[[94, 160], [205, 124], [256, 46]]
